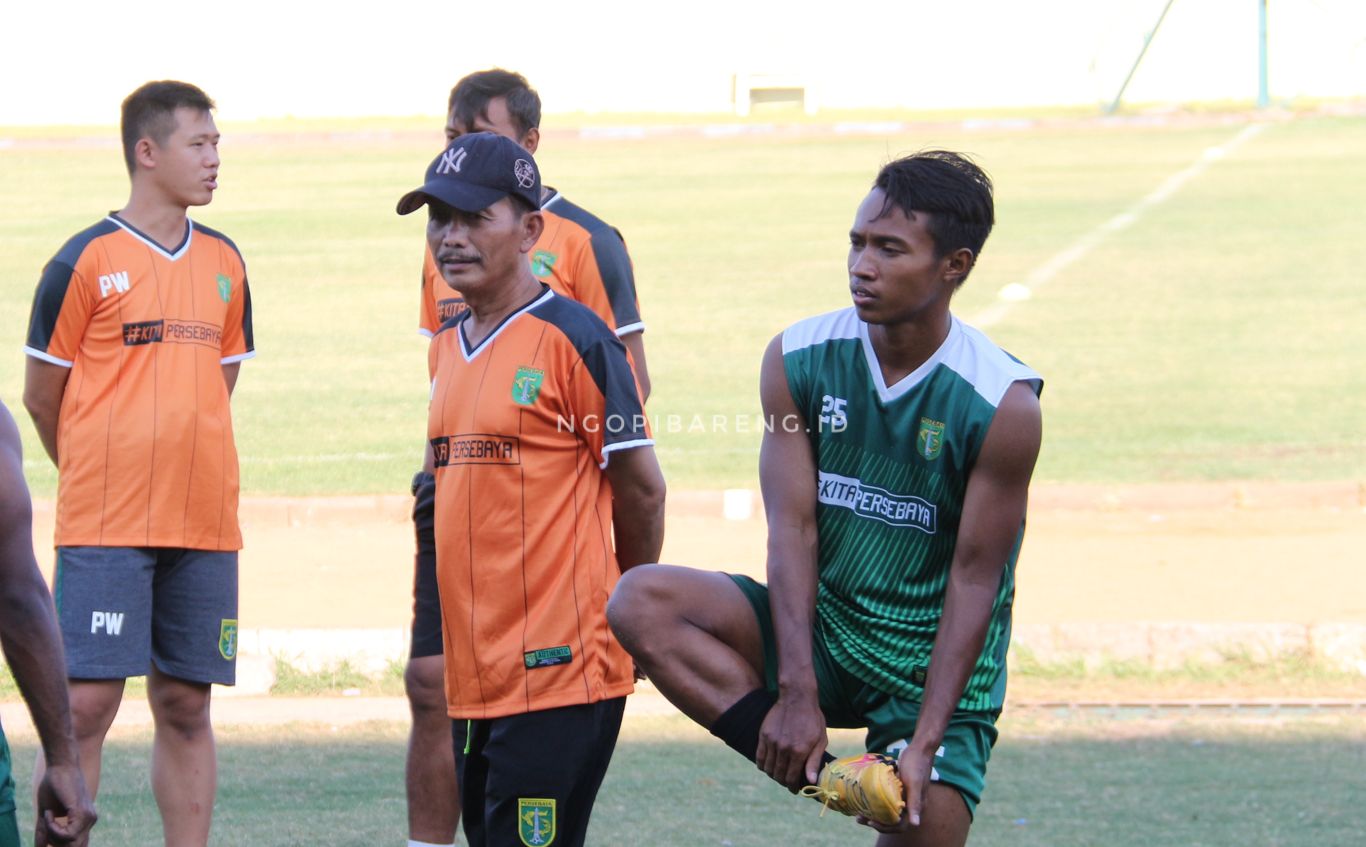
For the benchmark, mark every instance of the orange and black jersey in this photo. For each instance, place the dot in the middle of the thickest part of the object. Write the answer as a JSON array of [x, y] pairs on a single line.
[[144, 434], [578, 255], [521, 428]]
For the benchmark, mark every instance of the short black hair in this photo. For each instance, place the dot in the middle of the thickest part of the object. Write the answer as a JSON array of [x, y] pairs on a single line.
[[954, 192], [149, 112], [470, 98], [521, 206]]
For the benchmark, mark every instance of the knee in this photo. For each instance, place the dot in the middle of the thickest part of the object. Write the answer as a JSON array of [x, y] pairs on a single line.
[[92, 713], [424, 681], [182, 708], [638, 604]]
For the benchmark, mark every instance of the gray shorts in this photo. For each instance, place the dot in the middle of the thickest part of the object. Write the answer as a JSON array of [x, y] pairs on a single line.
[[122, 609]]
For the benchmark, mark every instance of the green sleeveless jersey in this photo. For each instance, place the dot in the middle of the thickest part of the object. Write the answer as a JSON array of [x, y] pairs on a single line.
[[893, 465]]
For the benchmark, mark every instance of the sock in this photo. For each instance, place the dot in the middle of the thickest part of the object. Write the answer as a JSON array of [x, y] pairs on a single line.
[[739, 725], [412, 843]]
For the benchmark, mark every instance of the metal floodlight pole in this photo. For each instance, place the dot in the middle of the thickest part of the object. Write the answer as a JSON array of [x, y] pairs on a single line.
[[1263, 93], [1147, 39]]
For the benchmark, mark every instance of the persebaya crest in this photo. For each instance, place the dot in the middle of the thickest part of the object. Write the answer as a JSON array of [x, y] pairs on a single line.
[[227, 639], [536, 821], [930, 441], [526, 385]]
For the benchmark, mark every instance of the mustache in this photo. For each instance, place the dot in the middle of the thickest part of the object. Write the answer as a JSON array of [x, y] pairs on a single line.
[[452, 256]]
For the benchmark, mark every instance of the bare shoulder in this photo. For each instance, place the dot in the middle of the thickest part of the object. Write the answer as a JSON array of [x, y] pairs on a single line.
[[1016, 432]]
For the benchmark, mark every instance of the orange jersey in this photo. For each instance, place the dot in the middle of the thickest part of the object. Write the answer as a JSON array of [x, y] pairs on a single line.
[[144, 435], [521, 429], [577, 255]]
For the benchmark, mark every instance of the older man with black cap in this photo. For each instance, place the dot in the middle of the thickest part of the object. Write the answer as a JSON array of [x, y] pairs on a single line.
[[543, 458]]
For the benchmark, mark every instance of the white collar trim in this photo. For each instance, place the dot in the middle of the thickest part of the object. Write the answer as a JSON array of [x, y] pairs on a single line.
[[180, 251], [888, 393], [470, 354]]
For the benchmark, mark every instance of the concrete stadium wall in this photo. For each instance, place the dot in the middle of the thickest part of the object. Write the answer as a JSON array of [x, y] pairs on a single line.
[[1161, 646], [270, 59]]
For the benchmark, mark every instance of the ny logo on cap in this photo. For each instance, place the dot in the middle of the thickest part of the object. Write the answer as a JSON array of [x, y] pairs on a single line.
[[525, 173], [451, 160]]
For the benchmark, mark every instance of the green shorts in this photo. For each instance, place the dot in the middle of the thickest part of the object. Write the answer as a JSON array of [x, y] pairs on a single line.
[[849, 702], [9, 823]]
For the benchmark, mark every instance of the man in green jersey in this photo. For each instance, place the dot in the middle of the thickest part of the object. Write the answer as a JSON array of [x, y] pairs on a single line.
[[894, 470]]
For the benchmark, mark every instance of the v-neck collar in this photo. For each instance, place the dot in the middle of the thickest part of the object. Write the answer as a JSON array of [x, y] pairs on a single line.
[[471, 352], [888, 393], [180, 249]]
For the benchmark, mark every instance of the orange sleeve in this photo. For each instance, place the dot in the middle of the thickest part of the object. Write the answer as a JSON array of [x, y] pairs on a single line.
[[428, 321]]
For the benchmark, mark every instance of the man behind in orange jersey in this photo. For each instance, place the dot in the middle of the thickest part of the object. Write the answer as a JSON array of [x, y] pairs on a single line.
[[578, 256], [139, 326], [547, 487]]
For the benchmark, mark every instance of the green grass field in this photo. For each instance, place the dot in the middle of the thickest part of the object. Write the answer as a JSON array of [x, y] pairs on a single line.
[[1221, 779], [1218, 337]]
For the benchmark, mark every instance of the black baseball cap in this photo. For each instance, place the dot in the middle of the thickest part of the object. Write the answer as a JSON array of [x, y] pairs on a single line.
[[476, 171]]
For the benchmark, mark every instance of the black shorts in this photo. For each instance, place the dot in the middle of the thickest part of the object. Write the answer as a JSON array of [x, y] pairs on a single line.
[[426, 639], [531, 779]]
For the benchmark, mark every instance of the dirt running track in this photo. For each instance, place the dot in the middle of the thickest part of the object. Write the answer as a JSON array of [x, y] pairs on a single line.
[[1215, 553]]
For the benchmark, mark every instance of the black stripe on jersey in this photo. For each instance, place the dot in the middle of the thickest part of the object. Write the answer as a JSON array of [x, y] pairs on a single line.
[[452, 322], [223, 238], [604, 357], [52, 285], [247, 334], [614, 265]]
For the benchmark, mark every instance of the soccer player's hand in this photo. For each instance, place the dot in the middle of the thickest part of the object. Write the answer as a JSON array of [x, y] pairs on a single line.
[[65, 811], [914, 771], [791, 742]]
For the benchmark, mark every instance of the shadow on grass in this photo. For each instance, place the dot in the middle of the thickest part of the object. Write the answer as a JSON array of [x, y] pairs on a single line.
[[1207, 780]]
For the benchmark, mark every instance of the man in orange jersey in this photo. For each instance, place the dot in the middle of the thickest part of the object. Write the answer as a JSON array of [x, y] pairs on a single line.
[[138, 329], [578, 256], [542, 455], [33, 652]]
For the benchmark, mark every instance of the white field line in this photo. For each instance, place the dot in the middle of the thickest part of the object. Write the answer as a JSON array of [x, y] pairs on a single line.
[[1017, 292]]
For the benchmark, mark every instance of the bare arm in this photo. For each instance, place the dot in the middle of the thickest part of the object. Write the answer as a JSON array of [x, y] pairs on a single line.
[[638, 493], [33, 648], [635, 345], [230, 375], [993, 510], [793, 736], [44, 385]]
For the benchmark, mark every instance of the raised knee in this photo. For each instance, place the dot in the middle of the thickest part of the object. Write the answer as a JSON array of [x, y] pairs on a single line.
[[639, 598]]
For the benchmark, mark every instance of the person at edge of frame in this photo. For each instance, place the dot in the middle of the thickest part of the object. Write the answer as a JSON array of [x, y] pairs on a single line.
[[33, 653]]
